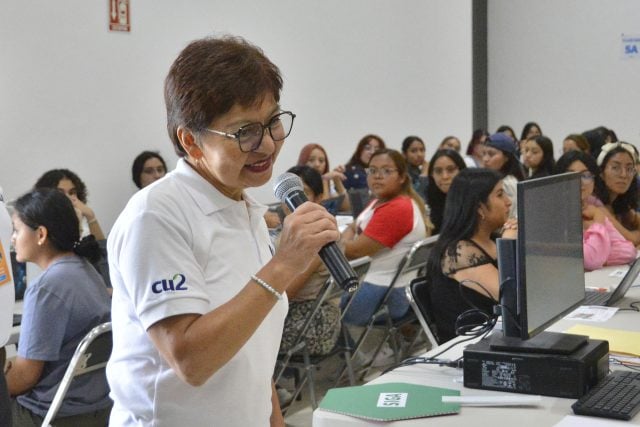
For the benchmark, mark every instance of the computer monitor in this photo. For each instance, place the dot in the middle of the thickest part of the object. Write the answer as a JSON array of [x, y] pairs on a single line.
[[542, 272]]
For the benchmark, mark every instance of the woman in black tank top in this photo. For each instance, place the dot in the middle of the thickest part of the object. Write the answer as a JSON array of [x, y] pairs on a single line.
[[462, 267]]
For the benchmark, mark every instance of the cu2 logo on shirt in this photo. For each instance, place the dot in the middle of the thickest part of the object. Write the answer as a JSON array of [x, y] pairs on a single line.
[[174, 284]]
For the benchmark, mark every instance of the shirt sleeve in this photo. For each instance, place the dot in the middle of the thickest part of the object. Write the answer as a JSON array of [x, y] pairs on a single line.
[[391, 221], [622, 251], [44, 322], [158, 267], [596, 246]]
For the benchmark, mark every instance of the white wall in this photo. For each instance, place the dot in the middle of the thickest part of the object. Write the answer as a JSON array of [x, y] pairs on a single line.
[[559, 63], [74, 95]]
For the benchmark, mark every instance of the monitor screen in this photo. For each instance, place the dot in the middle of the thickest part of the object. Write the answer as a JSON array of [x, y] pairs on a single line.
[[550, 259], [547, 270]]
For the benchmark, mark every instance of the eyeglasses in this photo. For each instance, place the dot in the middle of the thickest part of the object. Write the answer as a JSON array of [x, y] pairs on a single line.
[[385, 172], [617, 170], [587, 176], [249, 136], [449, 170]]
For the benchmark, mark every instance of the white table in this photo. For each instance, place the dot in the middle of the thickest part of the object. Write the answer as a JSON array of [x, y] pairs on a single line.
[[551, 410]]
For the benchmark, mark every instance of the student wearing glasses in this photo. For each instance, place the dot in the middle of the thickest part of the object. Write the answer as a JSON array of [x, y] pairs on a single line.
[[148, 167], [617, 189], [199, 293], [602, 243], [386, 229]]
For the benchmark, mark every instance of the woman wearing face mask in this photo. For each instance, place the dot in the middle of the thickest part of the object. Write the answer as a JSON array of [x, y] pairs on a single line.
[[602, 243], [538, 157], [445, 165], [617, 189]]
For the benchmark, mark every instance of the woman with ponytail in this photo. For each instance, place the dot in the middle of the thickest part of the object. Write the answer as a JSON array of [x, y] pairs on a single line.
[[61, 305]]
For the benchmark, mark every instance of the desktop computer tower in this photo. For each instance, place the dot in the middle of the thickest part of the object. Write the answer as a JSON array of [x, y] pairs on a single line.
[[558, 375]]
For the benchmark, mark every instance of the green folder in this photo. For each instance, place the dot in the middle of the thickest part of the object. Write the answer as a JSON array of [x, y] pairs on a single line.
[[390, 402]]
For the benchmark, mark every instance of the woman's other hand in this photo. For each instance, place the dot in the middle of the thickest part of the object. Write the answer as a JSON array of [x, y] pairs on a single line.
[[510, 229]]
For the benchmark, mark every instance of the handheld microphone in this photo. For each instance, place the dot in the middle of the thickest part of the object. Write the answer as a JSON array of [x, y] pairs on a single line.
[[288, 188]]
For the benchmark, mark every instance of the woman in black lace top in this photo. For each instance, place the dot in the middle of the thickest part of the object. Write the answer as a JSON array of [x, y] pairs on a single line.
[[462, 267]]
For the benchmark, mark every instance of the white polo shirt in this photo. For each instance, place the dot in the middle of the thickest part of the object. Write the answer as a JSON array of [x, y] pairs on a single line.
[[180, 247], [7, 291]]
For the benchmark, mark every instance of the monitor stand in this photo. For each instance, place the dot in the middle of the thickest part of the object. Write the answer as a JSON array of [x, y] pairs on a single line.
[[545, 342]]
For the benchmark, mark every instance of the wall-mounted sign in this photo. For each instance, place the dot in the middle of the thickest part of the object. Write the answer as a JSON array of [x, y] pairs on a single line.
[[119, 17], [631, 46]]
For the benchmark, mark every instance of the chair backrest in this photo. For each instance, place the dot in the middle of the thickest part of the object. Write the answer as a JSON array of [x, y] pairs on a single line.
[[418, 294], [358, 198], [333, 204], [414, 260], [92, 354]]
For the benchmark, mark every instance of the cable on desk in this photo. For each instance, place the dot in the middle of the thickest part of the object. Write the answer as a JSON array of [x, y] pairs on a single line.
[[633, 306], [425, 361]]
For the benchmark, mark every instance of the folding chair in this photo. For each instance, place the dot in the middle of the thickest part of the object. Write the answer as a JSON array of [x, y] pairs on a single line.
[[414, 260], [92, 354], [298, 356], [358, 198], [418, 294]]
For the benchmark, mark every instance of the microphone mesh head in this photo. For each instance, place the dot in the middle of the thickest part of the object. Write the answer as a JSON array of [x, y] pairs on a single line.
[[286, 183]]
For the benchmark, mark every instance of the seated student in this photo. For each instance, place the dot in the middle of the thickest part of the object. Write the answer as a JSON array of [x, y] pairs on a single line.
[[538, 157], [354, 170], [617, 189], [445, 165], [75, 189], [148, 167], [450, 142], [575, 141], [462, 267], [500, 155], [315, 156], [385, 231], [322, 334], [413, 149], [603, 244], [61, 306]]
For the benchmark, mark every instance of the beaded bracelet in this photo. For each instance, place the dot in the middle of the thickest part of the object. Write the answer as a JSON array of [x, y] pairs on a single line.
[[267, 286]]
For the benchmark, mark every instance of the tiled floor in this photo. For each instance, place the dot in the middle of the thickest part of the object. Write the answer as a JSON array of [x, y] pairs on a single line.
[[300, 414]]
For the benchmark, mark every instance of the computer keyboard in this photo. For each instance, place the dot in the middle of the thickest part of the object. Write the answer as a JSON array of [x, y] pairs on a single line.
[[616, 396], [596, 298]]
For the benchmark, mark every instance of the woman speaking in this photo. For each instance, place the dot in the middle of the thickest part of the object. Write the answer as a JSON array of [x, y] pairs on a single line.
[[198, 301]]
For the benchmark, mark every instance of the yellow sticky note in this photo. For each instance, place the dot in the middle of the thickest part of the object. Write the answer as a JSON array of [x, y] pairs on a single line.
[[621, 342]]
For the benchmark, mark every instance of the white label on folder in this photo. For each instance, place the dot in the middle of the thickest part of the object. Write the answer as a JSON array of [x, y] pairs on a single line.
[[392, 400]]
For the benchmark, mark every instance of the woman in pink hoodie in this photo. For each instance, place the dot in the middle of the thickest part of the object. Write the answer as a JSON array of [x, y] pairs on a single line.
[[602, 243]]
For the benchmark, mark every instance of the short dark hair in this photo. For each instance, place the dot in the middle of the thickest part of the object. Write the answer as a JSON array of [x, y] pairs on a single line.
[[52, 178], [565, 161], [210, 76], [309, 176], [53, 210], [138, 165]]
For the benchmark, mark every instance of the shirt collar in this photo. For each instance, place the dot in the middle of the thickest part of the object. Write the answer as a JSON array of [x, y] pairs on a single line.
[[208, 198]]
